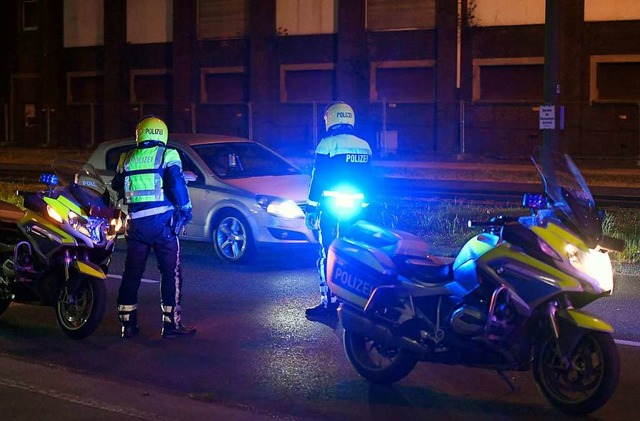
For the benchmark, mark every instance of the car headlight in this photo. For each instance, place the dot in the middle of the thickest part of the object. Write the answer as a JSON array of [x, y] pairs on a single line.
[[595, 264], [283, 208]]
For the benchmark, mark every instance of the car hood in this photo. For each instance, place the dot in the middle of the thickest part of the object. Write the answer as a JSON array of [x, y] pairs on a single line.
[[293, 187]]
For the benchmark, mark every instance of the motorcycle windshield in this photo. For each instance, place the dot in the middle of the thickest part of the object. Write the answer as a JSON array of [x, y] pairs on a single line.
[[569, 193], [83, 182]]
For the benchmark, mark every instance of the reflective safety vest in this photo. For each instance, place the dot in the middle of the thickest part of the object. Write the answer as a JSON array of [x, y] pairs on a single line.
[[143, 170]]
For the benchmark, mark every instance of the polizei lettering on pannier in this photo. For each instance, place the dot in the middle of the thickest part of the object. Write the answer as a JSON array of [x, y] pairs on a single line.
[[357, 158], [352, 282]]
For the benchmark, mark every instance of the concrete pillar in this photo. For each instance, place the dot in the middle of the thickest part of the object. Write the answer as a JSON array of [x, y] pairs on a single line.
[[116, 71], [352, 64], [573, 73], [263, 69], [53, 71], [185, 70], [446, 98]]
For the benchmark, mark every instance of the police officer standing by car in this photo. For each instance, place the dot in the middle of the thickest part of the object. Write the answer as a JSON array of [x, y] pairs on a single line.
[[341, 158], [150, 180]]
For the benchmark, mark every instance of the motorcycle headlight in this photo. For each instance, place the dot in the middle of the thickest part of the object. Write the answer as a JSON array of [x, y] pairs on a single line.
[[282, 208], [53, 214], [595, 264], [78, 223]]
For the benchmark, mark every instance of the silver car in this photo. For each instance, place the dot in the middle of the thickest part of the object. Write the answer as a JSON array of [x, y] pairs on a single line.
[[245, 196]]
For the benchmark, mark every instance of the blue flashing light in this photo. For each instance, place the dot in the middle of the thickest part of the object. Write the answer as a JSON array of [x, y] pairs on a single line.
[[49, 179], [534, 201]]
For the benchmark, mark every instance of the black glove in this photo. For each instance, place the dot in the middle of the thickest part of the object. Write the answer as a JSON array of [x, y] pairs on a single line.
[[187, 214], [181, 217]]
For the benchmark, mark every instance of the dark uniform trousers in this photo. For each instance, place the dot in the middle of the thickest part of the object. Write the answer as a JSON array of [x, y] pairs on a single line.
[[329, 229], [144, 234]]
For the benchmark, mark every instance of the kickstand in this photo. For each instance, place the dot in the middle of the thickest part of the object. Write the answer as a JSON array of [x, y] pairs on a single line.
[[506, 379]]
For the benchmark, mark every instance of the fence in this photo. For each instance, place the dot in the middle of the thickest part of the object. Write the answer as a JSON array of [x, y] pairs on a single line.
[[478, 128]]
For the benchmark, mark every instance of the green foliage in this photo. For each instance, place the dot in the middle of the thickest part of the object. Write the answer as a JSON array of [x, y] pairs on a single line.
[[8, 193], [623, 224], [444, 224]]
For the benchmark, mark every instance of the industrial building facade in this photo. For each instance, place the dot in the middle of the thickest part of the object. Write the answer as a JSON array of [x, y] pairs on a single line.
[[424, 76]]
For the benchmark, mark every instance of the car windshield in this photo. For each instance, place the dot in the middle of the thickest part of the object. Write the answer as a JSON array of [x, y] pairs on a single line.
[[243, 160]]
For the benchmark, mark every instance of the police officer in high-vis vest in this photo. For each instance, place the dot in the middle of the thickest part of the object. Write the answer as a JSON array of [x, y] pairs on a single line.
[[150, 180], [341, 158]]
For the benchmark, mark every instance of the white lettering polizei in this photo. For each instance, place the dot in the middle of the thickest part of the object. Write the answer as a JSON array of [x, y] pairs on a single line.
[[357, 158], [352, 282]]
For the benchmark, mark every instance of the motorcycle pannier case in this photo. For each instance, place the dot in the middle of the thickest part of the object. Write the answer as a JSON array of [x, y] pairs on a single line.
[[365, 258]]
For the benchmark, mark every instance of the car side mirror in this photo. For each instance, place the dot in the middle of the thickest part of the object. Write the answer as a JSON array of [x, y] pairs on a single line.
[[190, 176]]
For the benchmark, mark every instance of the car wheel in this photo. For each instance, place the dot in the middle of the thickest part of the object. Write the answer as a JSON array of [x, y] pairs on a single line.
[[232, 238]]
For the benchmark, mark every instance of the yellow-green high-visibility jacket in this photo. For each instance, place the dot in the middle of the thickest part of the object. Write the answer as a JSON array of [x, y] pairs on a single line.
[[150, 180]]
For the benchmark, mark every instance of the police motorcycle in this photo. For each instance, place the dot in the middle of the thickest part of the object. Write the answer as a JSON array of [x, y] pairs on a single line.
[[510, 300], [57, 251]]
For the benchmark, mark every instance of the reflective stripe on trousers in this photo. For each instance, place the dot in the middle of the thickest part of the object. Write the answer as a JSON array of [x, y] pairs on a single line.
[[327, 233], [125, 311], [143, 236], [171, 314]]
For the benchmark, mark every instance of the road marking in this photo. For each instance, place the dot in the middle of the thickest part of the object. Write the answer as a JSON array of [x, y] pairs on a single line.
[[148, 281], [629, 343], [78, 400]]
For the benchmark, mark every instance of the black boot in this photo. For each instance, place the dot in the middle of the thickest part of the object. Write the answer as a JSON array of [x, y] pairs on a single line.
[[172, 330], [129, 327], [322, 310]]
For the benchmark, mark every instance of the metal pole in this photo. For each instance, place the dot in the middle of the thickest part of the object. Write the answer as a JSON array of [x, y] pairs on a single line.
[[193, 117], [462, 139], [48, 114], [92, 110], [551, 137], [250, 118], [6, 123], [314, 124], [383, 138]]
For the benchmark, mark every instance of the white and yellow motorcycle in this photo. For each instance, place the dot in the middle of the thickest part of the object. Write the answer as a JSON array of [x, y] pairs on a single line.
[[510, 301], [57, 251]]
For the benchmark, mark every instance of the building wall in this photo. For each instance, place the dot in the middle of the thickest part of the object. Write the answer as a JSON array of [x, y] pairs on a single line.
[[419, 84]]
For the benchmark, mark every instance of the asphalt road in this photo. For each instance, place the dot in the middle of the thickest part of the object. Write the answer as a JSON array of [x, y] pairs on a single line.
[[256, 356]]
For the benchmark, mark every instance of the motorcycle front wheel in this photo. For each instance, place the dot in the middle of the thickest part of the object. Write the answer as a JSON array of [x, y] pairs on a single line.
[[80, 314], [588, 380], [5, 295], [377, 363]]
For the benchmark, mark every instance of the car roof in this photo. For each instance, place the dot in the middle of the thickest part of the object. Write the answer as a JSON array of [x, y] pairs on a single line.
[[189, 139], [203, 138]]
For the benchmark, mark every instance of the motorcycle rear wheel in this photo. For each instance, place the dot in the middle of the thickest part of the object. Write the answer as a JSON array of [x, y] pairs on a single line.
[[80, 315], [376, 363], [589, 381]]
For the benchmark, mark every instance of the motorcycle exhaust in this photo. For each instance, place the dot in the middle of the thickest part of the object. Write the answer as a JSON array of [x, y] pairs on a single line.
[[357, 322]]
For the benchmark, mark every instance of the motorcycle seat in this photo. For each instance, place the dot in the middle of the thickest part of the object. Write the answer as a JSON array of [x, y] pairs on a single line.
[[10, 212], [430, 270]]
